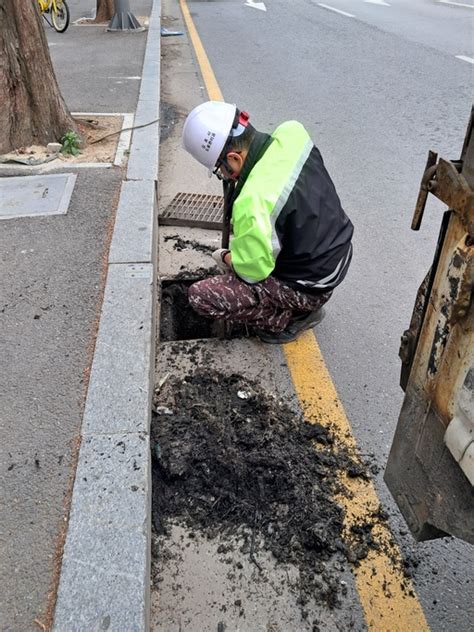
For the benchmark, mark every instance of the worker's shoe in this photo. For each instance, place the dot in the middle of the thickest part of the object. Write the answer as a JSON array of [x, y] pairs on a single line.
[[297, 325], [280, 338], [306, 320]]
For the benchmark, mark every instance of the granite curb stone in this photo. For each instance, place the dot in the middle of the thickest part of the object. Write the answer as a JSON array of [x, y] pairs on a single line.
[[105, 574], [118, 398], [133, 238], [106, 564], [143, 161]]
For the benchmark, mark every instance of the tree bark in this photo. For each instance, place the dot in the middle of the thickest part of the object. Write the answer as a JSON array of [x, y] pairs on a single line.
[[32, 110], [104, 11]]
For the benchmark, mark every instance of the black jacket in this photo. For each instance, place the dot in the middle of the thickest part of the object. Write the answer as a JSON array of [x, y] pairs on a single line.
[[286, 215]]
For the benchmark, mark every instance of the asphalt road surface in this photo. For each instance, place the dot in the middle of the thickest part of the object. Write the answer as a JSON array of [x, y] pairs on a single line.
[[377, 84]]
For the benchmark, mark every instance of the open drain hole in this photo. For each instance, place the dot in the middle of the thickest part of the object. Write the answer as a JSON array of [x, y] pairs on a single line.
[[178, 320]]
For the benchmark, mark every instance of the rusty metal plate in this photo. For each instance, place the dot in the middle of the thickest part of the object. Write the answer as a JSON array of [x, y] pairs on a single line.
[[194, 209]]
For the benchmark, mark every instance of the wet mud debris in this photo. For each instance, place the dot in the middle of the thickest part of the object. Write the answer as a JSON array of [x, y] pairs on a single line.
[[230, 459], [178, 320], [196, 274], [181, 244]]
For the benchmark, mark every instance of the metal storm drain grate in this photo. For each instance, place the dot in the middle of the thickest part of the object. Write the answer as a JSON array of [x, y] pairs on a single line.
[[194, 209], [33, 196]]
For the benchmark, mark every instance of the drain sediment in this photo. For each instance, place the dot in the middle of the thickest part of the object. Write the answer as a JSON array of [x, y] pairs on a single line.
[[178, 320]]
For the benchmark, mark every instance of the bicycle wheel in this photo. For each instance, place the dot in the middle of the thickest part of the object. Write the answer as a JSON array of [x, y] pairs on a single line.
[[60, 16]]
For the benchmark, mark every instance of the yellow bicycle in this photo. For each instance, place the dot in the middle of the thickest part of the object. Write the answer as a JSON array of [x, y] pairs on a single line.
[[59, 12]]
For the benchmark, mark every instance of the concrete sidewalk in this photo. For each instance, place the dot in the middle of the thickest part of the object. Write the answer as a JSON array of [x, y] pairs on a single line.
[[54, 273]]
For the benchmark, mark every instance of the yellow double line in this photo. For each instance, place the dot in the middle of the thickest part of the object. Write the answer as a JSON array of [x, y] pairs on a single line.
[[386, 595]]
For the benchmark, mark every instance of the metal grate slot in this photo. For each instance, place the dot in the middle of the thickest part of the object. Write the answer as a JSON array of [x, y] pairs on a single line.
[[194, 209]]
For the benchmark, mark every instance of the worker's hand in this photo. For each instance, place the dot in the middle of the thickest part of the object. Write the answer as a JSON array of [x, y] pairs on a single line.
[[219, 256]]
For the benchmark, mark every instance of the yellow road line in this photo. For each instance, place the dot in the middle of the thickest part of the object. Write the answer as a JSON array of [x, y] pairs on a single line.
[[210, 81], [387, 597]]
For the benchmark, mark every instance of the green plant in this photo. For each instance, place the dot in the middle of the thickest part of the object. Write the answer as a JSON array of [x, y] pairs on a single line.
[[70, 143]]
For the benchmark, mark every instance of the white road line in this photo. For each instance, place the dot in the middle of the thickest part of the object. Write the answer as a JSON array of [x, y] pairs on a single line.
[[457, 4], [256, 5], [381, 2], [464, 58], [325, 6]]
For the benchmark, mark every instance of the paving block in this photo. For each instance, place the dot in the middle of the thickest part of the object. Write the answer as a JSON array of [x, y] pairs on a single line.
[[105, 572], [119, 395], [153, 44], [149, 90], [148, 111], [133, 240], [143, 161], [111, 481]]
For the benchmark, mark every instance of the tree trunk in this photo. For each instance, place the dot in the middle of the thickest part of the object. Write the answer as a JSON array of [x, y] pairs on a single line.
[[105, 11], [32, 110]]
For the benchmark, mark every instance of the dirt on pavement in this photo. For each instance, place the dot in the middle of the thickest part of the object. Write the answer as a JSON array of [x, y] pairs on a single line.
[[230, 459]]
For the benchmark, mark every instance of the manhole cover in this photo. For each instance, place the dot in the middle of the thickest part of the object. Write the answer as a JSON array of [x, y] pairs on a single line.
[[33, 196], [194, 209]]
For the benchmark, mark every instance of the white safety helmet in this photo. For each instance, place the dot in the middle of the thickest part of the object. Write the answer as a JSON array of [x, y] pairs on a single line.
[[207, 129]]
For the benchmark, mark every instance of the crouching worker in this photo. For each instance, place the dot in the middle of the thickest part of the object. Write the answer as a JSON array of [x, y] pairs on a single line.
[[291, 243]]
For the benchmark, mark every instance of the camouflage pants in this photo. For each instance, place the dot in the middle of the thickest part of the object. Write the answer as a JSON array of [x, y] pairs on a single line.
[[268, 305]]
